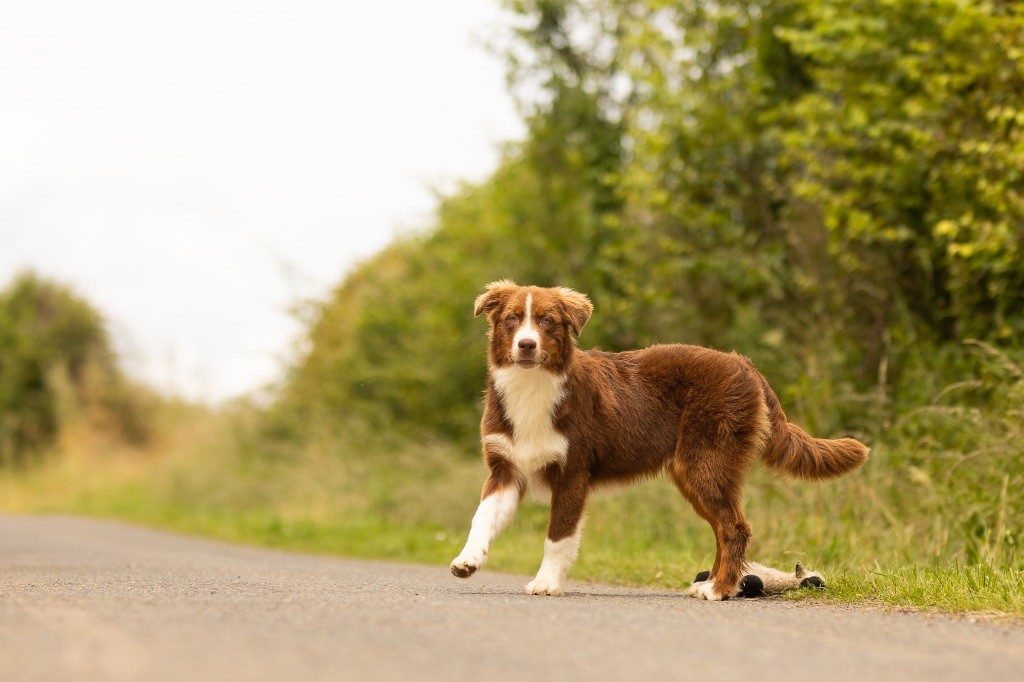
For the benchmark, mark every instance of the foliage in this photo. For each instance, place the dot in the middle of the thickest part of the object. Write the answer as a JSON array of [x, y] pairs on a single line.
[[911, 143], [827, 186], [57, 366], [832, 187]]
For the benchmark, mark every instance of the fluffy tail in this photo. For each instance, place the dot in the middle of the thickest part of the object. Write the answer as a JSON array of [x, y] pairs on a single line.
[[793, 451]]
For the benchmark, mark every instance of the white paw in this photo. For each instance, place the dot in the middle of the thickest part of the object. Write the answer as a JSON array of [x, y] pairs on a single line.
[[544, 586], [466, 565], [694, 589], [704, 590]]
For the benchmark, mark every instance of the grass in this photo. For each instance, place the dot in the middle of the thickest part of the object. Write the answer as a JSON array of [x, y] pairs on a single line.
[[401, 499], [950, 588]]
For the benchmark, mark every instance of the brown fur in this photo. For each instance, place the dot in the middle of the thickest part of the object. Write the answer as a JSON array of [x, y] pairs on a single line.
[[504, 474], [701, 416]]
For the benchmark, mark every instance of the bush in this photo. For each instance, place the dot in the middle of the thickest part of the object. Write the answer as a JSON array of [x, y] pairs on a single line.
[[56, 367]]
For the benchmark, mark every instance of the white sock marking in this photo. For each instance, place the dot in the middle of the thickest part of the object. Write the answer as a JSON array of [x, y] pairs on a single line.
[[558, 558], [493, 514]]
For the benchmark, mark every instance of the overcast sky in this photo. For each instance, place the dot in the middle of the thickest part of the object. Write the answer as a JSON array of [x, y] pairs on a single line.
[[193, 167]]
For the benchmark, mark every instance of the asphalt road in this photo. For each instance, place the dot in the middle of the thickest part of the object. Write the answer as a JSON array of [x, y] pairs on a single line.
[[91, 600]]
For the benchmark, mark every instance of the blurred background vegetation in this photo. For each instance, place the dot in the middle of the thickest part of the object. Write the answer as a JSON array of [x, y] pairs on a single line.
[[58, 374], [834, 188]]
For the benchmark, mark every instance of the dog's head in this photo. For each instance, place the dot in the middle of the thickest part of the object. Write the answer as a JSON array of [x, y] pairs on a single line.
[[532, 326]]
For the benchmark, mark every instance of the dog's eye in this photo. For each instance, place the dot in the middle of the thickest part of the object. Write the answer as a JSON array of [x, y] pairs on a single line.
[[546, 321], [511, 321]]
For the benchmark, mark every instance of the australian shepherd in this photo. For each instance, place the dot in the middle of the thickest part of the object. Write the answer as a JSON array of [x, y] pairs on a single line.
[[564, 421]]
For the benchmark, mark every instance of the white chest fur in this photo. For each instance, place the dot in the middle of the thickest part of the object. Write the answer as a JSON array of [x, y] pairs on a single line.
[[530, 397]]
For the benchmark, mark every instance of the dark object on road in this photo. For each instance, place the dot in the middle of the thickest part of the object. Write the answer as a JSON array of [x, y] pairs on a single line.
[[765, 580]]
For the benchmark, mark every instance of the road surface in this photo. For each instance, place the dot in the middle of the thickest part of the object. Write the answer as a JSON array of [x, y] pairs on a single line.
[[95, 600]]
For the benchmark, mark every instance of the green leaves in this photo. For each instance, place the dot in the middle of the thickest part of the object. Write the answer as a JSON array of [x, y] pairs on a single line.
[[912, 146]]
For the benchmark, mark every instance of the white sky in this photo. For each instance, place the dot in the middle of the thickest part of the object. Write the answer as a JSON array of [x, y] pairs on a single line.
[[194, 167]]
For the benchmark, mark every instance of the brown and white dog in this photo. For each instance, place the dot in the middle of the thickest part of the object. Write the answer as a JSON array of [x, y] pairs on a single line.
[[561, 420]]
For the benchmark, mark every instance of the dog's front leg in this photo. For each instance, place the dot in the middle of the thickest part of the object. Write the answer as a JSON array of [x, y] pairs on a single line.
[[565, 527], [498, 503]]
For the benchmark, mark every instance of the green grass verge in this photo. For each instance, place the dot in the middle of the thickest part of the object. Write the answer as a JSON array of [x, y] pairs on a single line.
[[418, 510]]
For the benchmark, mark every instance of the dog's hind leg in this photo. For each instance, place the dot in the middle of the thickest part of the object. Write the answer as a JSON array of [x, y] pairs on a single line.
[[732, 533], [498, 503], [722, 430], [676, 472], [714, 490], [565, 528]]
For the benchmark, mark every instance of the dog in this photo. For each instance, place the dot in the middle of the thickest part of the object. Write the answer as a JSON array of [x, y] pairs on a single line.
[[562, 422]]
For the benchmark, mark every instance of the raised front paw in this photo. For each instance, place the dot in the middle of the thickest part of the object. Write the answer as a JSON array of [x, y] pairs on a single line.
[[466, 565], [544, 586]]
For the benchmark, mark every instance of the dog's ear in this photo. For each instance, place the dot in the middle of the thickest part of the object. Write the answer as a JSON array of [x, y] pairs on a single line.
[[578, 308], [496, 295]]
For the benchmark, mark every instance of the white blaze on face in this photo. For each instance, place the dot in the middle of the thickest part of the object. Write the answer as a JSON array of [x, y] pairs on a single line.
[[526, 330]]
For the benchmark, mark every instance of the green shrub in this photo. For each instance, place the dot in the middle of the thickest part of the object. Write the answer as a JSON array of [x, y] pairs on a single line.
[[56, 365]]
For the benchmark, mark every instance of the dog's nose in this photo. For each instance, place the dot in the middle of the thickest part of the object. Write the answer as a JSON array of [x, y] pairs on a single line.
[[527, 344]]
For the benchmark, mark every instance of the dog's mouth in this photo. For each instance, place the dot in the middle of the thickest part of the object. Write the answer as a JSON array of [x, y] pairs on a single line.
[[529, 361]]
